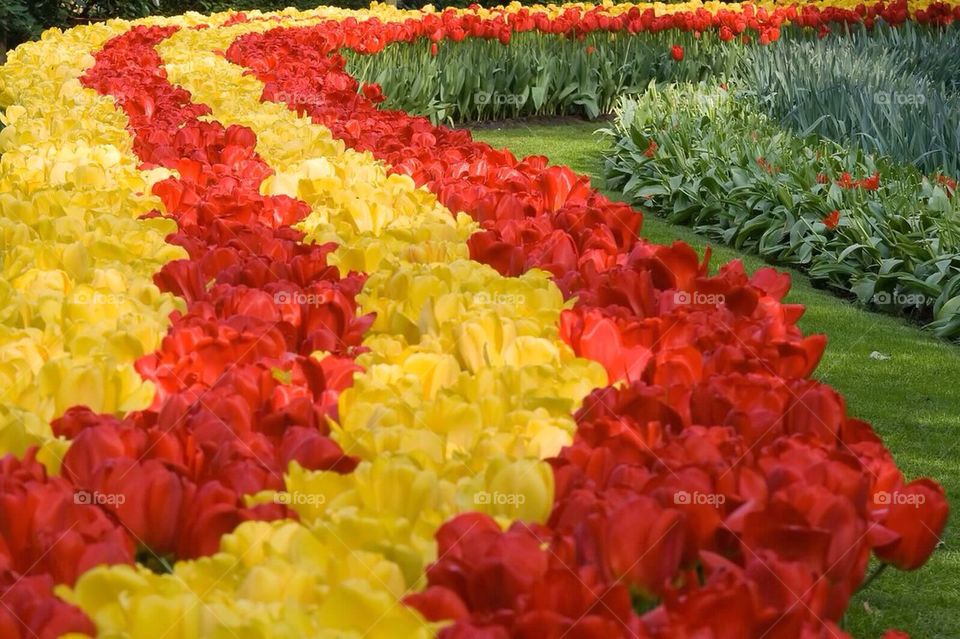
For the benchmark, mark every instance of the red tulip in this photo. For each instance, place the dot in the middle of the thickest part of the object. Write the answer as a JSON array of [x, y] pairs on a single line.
[[30, 610], [649, 545], [437, 603], [917, 513], [48, 527], [832, 220], [147, 500], [676, 52], [374, 92], [871, 183]]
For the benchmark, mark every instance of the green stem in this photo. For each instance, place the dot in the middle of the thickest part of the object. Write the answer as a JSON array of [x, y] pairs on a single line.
[[876, 573]]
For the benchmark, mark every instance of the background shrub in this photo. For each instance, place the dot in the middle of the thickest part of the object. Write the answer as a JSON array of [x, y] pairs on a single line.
[[536, 74], [893, 91]]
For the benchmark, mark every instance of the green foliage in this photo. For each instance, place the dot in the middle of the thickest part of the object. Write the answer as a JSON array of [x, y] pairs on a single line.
[[734, 175], [890, 91], [21, 19], [536, 74], [104, 9]]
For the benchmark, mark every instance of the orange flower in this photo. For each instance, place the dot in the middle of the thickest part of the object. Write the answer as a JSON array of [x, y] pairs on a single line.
[[871, 183], [917, 514], [948, 183], [831, 221]]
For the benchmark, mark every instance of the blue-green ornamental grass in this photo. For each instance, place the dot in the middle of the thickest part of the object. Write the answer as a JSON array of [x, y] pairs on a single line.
[[891, 91]]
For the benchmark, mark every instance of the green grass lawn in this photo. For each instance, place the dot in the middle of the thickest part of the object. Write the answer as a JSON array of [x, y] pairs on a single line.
[[912, 399]]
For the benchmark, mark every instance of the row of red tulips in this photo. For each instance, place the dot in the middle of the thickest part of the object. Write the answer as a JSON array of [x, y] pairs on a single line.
[[370, 36]]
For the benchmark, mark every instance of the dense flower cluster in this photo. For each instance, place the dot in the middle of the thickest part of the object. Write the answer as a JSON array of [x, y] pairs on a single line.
[[79, 306], [239, 396], [79, 309], [720, 477], [377, 330], [472, 359], [576, 20]]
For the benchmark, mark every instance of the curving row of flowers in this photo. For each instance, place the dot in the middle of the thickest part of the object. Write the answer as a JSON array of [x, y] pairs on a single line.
[[238, 393], [408, 384]]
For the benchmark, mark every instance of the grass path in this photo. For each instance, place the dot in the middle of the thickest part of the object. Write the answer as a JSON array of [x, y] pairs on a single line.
[[912, 399]]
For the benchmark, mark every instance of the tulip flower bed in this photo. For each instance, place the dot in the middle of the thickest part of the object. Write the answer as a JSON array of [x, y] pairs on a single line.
[[537, 74], [885, 85], [280, 363]]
